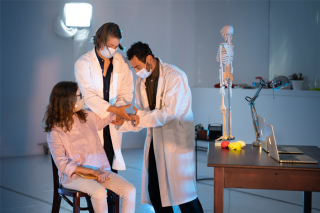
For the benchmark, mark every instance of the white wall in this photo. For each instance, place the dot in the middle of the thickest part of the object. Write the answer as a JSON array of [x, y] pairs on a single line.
[[33, 60], [184, 33], [294, 39], [250, 39], [294, 114]]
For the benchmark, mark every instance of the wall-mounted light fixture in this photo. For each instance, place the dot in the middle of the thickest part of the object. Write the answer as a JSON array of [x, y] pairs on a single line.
[[74, 23], [74, 17], [77, 14]]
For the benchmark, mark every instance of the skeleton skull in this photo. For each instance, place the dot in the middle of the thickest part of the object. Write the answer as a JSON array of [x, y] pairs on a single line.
[[227, 32]]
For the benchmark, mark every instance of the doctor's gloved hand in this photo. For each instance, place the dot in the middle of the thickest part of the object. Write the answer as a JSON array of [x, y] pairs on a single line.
[[119, 120], [120, 111], [135, 109], [134, 118]]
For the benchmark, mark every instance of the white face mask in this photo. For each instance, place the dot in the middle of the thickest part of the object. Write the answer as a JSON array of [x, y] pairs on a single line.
[[143, 73], [79, 104], [108, 52]]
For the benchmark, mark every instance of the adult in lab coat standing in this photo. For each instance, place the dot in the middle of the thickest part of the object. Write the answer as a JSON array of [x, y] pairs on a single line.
[[106, 82], [163, 99]]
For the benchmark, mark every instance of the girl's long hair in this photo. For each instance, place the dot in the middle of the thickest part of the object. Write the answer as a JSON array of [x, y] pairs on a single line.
[[60, 109]]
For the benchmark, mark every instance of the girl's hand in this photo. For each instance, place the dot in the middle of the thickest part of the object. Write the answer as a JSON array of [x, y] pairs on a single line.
[[119, 120], [101, 175]]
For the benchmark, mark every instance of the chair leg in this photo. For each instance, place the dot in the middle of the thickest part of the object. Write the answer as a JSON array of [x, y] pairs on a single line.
[[116, 203], [89, 203], [59, 203], [76, 205], [55, 203], [110, 200]]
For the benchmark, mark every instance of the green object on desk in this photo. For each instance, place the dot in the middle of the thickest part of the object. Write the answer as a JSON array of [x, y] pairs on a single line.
[[315, 89]]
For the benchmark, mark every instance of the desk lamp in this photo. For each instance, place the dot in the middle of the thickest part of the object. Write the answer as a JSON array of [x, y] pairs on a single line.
[[278, 83]]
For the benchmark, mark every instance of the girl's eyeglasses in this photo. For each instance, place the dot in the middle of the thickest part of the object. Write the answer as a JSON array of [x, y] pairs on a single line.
[[80, 95]]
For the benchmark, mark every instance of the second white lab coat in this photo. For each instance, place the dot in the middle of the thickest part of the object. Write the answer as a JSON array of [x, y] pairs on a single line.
[[88, 75], [171, 126]]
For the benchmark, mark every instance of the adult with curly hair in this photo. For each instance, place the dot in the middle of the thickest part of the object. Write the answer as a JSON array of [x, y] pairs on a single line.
[[163, 99], [106, 81], [75, 147]]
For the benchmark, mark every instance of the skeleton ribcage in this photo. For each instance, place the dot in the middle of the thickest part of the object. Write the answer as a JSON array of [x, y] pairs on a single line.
[[226, 57]]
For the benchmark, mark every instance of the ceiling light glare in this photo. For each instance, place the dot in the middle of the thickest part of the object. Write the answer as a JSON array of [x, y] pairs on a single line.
[[78, 14]]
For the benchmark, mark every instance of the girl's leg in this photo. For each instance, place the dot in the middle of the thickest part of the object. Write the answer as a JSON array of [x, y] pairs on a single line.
[[124, 189], [94, 189]]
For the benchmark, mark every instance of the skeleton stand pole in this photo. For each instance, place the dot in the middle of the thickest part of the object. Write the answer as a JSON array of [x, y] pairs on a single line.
[[229, 115]]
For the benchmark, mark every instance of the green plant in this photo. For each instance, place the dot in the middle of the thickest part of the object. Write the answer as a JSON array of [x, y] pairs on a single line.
[[198, 127], [296, 77]]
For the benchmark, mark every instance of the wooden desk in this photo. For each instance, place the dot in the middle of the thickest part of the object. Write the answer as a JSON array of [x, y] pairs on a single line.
[[252, 168]]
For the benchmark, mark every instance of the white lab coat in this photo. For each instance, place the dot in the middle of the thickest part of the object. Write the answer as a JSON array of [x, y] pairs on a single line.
[[172, 127], [88, 75]]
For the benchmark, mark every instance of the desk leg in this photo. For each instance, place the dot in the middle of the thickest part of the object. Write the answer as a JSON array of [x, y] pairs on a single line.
[[307, 201], [218, 189]]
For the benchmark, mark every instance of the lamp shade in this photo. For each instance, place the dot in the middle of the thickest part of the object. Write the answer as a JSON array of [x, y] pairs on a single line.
[[77, 14]]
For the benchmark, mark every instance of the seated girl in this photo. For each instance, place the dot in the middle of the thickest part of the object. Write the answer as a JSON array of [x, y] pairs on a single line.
[[76, 148]]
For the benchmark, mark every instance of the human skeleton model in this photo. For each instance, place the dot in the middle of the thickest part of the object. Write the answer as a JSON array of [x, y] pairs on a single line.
[[225, 57]]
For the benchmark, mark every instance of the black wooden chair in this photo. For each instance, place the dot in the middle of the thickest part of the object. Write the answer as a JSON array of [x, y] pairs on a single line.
[[60, 192]]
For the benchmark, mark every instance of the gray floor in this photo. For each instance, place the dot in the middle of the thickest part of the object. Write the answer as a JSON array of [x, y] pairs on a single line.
[[26, 186]]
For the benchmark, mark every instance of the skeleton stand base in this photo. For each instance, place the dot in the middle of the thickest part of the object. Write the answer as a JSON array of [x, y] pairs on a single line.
[[256, 143], [225, 138]]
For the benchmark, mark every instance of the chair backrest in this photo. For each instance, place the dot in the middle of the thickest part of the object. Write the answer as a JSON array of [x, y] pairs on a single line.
[[55, 175], [56, 186]]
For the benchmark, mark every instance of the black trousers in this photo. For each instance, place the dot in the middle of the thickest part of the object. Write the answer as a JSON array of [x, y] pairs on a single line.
[[193, 206], [108, 148]]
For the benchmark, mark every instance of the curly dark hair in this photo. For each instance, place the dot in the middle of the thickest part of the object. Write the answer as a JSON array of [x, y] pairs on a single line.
[[140, 50], [59, 111], [108, 29]]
